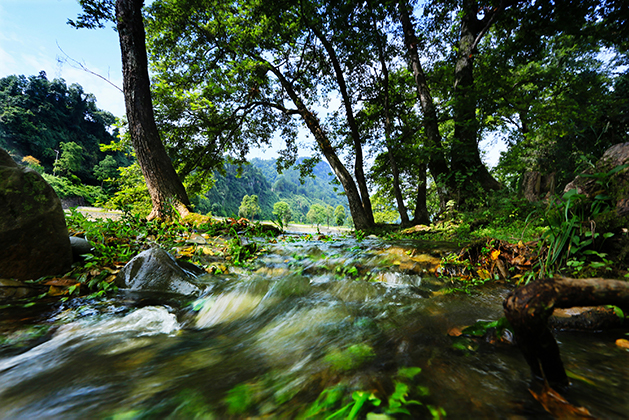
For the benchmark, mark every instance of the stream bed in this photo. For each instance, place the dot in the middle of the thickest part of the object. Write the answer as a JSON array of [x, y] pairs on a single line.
[[310, 329]]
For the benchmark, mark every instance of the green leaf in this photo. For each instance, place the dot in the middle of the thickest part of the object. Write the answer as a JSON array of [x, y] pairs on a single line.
[[408, 372]]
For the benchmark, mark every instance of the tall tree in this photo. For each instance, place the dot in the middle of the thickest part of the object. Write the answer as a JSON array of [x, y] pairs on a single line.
[[165, 188], [465, 160], [437, 163], [277, 57]]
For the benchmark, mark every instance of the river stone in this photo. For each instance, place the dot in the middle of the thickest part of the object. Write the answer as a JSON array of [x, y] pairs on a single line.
[[155, 270], [80, 247], [33, 235]]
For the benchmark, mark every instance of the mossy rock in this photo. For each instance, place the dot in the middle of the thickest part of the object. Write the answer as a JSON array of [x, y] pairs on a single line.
[[33, 232]]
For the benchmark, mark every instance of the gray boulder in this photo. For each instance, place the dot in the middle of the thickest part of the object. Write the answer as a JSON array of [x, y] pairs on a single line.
[[616, 182], [33, 235], [80, 247], [155, 270]]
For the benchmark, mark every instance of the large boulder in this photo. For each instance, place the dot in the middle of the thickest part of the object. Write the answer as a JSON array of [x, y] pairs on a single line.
[[33, 235], [607, 177], [155, 270]]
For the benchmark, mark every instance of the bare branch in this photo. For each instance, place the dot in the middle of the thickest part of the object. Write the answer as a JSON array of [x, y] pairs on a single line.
[[82, 66]]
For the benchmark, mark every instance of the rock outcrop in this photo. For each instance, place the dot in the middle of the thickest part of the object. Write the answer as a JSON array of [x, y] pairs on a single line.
[[34, 239], [155, 270], [608, 176]]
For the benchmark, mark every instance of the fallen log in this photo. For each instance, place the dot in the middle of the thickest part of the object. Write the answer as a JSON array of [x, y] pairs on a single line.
[[528, 309]]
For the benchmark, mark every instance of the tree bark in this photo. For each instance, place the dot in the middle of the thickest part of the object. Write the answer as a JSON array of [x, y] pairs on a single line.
[[437, 163], [165, 188], [420, 216], [465, 160], [528, 309]]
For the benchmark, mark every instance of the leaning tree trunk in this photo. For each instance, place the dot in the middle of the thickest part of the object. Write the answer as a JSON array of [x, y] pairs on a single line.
[[164, 186], [356, 208], [353, 126], [528, 309], [437, 162], [386, 105]]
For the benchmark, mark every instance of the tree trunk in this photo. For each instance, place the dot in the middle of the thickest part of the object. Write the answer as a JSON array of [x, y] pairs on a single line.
[[420, 216], [164, 186], [387, 134], [437, 162], [465, 158], [528, 309]]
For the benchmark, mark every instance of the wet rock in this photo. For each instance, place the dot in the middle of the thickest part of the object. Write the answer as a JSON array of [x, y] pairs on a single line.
[[80, 247], [13, 289], [33, 231], [155, 270]]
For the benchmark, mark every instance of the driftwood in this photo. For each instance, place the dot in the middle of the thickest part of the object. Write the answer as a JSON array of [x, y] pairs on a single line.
[[528, 309]]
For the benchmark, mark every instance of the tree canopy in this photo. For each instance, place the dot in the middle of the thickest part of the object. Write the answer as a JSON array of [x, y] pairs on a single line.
[[39, 116]]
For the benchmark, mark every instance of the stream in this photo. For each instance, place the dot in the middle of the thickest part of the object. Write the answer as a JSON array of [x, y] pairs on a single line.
[[302, 332]]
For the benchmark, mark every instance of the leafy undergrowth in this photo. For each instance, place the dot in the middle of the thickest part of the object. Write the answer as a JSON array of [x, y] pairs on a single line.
[[213, 244], [513, 240]]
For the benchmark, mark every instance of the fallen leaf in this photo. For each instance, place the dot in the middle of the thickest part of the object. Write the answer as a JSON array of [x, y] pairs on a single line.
[[454, 332], [623, 343], [62, 281], [558, 406]]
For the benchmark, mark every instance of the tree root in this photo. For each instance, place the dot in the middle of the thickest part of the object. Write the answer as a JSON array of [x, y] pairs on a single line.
[[529, 308]]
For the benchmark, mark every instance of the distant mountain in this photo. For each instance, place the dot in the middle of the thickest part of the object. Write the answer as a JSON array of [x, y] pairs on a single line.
[[262, 179]]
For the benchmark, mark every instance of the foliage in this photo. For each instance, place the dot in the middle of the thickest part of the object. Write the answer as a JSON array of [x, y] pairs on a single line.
[[41, 118], [117, 241], [339, 215], [249, 207], [33, 163], [281, 210], [383, 210], [68, 188], [70, 159], [572, 235], [335, 402], [132, 195], [107, 169], [317, 214]]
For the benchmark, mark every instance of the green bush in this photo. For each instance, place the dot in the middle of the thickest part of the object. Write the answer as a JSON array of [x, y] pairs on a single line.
[[66, 188]]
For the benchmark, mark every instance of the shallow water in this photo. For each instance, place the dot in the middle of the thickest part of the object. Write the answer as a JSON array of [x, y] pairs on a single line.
[[266, 341]]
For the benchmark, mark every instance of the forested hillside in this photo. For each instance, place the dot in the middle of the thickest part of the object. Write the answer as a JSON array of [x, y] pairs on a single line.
[[262, 179]]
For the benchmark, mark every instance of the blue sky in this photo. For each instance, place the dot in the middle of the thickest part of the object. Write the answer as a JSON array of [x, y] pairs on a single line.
[[29, 33]]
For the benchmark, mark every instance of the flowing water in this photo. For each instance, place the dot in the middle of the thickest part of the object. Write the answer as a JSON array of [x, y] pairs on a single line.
[[295, 334]]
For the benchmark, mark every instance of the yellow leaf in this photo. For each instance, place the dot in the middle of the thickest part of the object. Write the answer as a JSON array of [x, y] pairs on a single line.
[[494, 254], [483, 274], [187, 252], [56, 291], [622, 343]]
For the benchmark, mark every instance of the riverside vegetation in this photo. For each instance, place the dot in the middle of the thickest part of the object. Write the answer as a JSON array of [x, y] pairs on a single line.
[[253, 268], [391, 321]]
